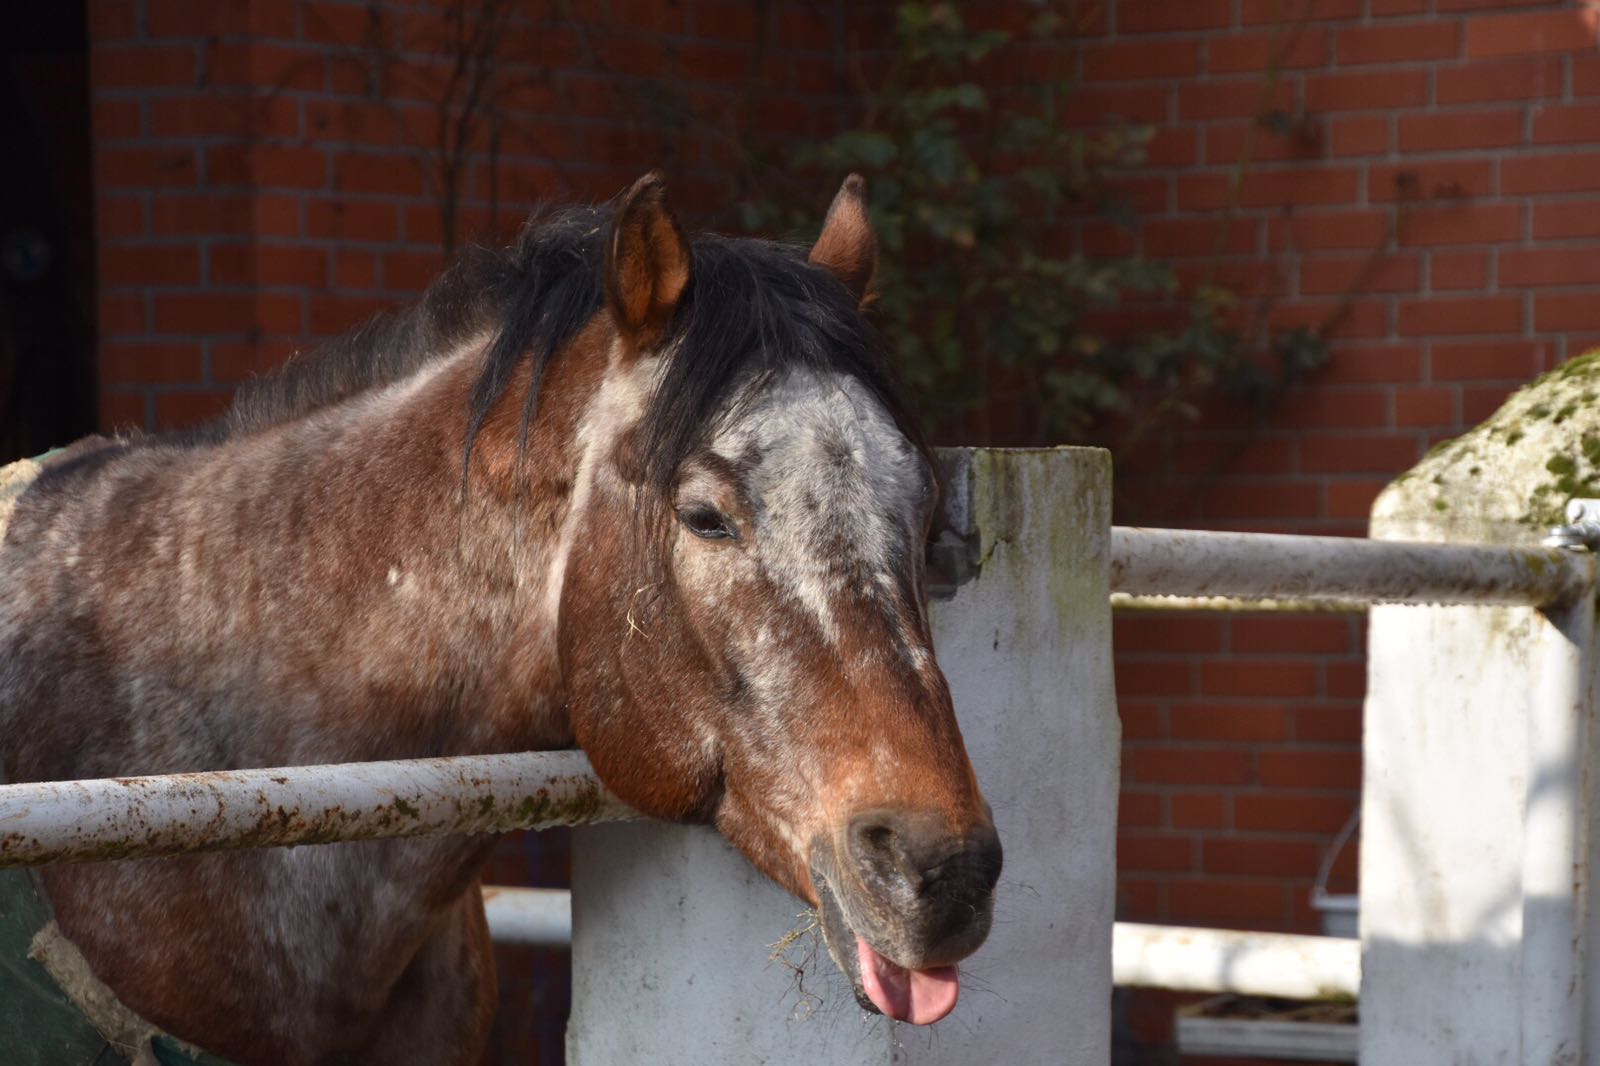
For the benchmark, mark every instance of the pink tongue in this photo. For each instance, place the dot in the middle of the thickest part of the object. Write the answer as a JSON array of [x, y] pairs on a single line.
[[916, 996]]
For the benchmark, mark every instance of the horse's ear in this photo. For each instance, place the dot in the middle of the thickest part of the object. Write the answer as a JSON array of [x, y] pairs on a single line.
[[847, 246], [648, 261]]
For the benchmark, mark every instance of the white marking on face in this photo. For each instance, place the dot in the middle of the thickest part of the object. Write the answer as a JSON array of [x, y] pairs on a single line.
[[617, 405], [834, 485], [394, 576]]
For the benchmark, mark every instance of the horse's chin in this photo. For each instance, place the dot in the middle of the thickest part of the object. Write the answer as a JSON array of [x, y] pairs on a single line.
[[881, 985]]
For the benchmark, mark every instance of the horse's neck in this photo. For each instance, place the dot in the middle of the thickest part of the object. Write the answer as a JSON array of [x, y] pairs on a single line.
[[323, 591]]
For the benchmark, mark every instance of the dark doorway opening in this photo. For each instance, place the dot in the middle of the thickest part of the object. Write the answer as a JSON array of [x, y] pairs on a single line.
[[47, 350]]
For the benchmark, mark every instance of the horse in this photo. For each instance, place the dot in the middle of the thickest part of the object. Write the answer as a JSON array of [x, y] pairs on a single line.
[[609, 487]]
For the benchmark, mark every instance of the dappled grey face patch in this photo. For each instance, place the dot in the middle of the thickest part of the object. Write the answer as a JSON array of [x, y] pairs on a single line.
[[836, 494]]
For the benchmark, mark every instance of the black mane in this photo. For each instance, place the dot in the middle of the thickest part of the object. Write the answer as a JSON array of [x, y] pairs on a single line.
[[753, 309]]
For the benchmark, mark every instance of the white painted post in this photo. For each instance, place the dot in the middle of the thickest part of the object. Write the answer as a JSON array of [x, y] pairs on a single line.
[[672, 928], [1479, 772]]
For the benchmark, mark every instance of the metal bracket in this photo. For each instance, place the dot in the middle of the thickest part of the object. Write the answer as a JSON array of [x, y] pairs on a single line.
[[1582, 531]]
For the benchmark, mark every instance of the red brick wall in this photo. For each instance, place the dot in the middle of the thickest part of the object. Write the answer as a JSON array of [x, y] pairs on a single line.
[[1463, 139], [262, 180]]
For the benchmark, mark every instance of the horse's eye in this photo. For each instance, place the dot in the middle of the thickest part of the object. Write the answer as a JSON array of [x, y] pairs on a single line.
[[707, 523]]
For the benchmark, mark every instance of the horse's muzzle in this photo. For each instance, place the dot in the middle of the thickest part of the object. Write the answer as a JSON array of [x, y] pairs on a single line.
[[903, 899]]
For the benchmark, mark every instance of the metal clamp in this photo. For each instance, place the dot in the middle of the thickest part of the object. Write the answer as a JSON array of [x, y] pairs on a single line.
[[1582, 531]]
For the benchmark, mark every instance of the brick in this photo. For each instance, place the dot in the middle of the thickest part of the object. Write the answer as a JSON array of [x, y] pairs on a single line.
[[114, 120], [1140, 721], [121, 410], [1141, 60], [1479, 402], [329, 315], [1531, 33], [1336, 724], [237, 361], [1336, 319], [351, 220], [253, 264], [1549, 266], [142, 66], [1230, 142], [1245, 902], [1461, 223], [1450, 315], [200, 313], [1271, 12], [1567, 124], [1346, 680], [382, 174], [1458, 270], [1566, 311], [1341, 274], [1481, 82], [1456, 132], [1272, 188], [1292, 812], [112, 20], [1199, 810], [149, 265], [1172, 148], [1585, 75], [201, 216], [181, 18], [219, 115], [1189, 766], [1353, 498], [1140, 16], [1280, 499], [1331, 230], [1358, 453], [1165, 632], [1241, 98], [1567, 172], [1154, 677], [1329, 406], [1137, 809], [148, 167], [1284, 633], [1366, 90], [1389, 43], [1310, 769], [1360, 364], [260, 65], [1261, 857], [411, 271], [1566, 219], [1117, 103], [124, 363], [1155, 852], [1391, 8], [1358, 136], [1423, 406], [1243, 52], [1450, 179], [267, 166], [1170, 238], [1270, 678], [1500, 360], [1230, 723], [180, 410], [121, 313], [119, 216]]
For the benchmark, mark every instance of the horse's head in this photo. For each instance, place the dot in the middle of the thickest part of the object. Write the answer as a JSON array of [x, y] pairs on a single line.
[[742, 624]]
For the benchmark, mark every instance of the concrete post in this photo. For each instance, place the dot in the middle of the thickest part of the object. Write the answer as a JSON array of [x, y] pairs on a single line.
[[1476, 850], [672, 928]]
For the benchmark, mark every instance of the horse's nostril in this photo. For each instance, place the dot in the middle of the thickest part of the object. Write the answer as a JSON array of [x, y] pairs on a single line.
[[877, 846], [918, 851]]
